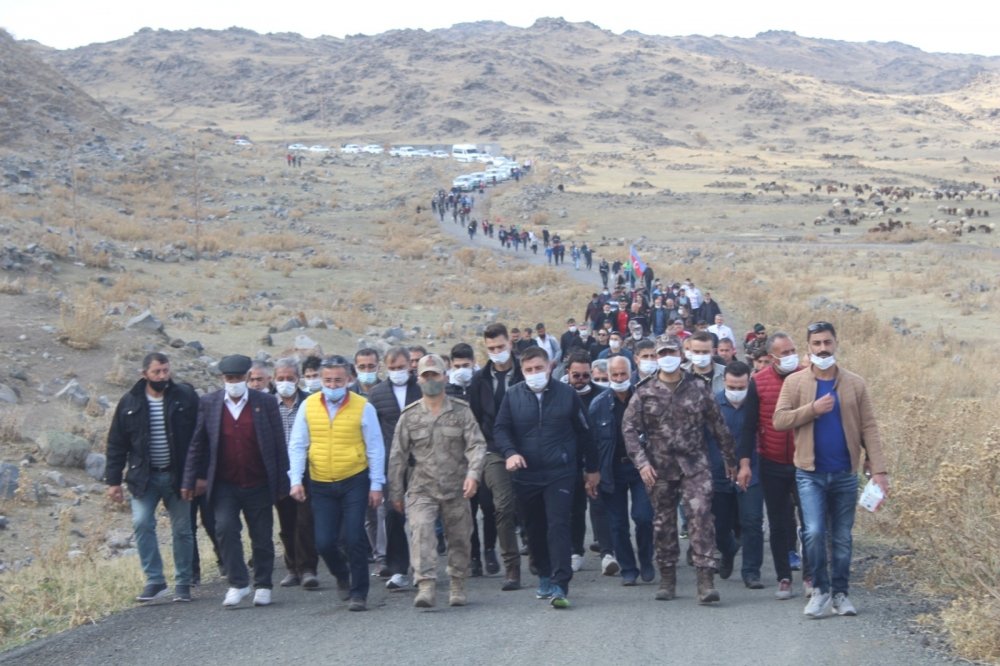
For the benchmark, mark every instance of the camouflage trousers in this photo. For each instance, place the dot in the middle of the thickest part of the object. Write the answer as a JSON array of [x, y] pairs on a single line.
[[421, 513], [696, 494]]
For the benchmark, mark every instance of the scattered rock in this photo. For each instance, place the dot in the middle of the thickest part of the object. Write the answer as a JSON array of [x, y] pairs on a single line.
[[94, 464], [55, 477], [8, 395], [63, 449], [3, 522], [291, 325], [74, 394], [197, 346], [394, 332], [267, 340], [145, 322], [9, 476], [305, 343], [118, 539]]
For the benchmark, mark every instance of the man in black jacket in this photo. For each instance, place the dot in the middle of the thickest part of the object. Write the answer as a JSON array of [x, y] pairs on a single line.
[[539, 429], [150, 433], [485, 395]]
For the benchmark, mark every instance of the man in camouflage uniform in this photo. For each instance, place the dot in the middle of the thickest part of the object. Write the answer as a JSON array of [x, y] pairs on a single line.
[[671, 410], [437, 454]]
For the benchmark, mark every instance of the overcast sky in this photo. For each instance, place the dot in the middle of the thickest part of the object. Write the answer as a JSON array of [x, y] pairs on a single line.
[[958, 26]]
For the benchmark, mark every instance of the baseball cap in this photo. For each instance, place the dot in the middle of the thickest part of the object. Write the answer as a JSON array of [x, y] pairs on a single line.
[[668, 342], [431, 363]]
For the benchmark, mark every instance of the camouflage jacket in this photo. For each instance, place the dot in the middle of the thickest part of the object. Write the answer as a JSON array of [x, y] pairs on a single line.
[[432, 455], [674, 423]]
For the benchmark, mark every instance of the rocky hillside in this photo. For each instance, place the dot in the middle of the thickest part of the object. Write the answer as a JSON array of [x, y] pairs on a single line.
[[556, 84]]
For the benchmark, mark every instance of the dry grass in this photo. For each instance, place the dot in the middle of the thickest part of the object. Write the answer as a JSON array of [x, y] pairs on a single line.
[[12, 421], [82, 322], [13, 287]]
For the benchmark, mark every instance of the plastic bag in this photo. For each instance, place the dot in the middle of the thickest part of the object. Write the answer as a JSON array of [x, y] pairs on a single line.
[[872, 496]]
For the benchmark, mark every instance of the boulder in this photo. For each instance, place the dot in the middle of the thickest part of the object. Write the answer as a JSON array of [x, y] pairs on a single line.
[[55, 477], [118, 539], [63, 449], [74, 394], [8, 395], [9, 475], [95, 464], [145, 321]]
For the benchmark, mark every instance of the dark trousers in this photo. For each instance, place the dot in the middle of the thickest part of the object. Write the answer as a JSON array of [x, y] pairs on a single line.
[[600, 525], [483, 498], [229, 502], [781, 496], [339, 511], [546, 511], [397, 544], [295, 525], [741, 513], [578, 516], [201, 505], [628, 482]]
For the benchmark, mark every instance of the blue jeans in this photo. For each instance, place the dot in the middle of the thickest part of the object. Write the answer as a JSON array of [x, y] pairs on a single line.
[[745, 510], [144, 523], [339, 509], [834, 495], [627, 480]]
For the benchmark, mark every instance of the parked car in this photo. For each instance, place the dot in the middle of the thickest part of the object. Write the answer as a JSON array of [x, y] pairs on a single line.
[[423, 152], [373, 149], [318, 149], [402, 151], [351, 148], [242, 142], [440, 154], [297, 146]]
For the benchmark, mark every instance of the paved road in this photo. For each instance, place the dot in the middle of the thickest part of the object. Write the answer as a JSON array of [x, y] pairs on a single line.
[[608, 624]]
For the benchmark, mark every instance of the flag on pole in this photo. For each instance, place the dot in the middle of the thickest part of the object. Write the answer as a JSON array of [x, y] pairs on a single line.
[[638, 266]]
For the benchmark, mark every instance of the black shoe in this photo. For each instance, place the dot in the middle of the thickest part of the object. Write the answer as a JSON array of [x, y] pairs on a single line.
[[726, 567], [182, 593], [357, 604], [475, 569], [152, 591], [753, 583], [647, 572], [492, 564], [595, 547]]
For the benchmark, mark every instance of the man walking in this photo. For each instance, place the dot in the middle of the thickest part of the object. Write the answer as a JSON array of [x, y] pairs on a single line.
[[238, 459], [830, 412], [673, 411], [149, 435], [539, 429], [437, 456]]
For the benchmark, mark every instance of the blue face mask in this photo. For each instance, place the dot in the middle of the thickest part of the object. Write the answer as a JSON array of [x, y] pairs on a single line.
[[334, 394]]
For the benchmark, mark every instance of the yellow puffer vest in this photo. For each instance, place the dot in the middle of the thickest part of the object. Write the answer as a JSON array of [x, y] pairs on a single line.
[[336, 448]]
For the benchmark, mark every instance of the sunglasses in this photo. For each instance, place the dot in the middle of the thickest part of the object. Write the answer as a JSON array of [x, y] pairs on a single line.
[[579, 375]]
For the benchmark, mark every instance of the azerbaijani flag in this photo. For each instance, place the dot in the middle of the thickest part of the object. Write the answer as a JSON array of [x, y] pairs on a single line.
[[637, 264]]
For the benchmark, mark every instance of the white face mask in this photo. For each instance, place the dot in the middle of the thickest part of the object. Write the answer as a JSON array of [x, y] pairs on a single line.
[[621, 387], [537, 382], [461, 376], [648, 367], [615, 345], [603, 385], [285, 389], [669, 364], [572, 329], [312, 384], [585, 390], [399, 377], [637, 335], [584, 335], [788, 363], [501, 357], [736, 397], [236, 390], [823, 363], [701, 360], [687, 355], [367, 378]]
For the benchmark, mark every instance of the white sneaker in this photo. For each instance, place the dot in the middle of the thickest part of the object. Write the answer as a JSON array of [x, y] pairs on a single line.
[[843, 606], [262, 597], [235, 595], [609, 565], [576, 562], [819, 604], [398, 582]]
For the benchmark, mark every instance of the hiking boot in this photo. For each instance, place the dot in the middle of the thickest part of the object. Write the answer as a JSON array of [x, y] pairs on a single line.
[[668, 584], [819, 604], [456, 592], [425, 594], [492, 564], [843, 606], [152, 591], [726, 566], [512, 581], [475, 569], [784, 590], [706, 587]]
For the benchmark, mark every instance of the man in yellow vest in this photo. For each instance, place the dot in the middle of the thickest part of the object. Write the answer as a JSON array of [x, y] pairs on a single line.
[[337, 432]]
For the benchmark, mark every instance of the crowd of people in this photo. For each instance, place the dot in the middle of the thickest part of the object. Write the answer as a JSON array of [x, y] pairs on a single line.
[[642, 414]]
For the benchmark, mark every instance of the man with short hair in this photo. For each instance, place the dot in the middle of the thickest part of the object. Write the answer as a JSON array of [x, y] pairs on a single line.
[[738, 509], [726, 351], [295, 521], [548, 343], [600, 344], [659, 317], [237, 459], [486, 393], [149, 435], [645, 353], [311, 380], [570, 339], [416, 352], [615, 347], [700, 363], [389, 399], [674, 413], [620, 478], [830, 413], [709, 308], [776, 452], [337, 435], [437, 455], [755, 340], [720, 330], [599, 373], [259, 377], [539, 430], [366, 364]]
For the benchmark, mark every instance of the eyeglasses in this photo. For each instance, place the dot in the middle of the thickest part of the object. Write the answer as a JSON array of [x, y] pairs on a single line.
[[334, 362], [819, 327]]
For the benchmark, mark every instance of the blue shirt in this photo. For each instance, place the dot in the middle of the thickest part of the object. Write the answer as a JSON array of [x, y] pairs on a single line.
[[298, 444], [831, 444]]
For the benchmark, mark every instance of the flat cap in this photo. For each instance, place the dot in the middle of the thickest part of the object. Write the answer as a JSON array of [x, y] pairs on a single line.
[[235, 364], [431, 363], [668, 342]]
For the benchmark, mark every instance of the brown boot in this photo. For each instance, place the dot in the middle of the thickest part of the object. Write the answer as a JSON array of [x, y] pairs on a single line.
[[512, 581], [668, 584], [456, 593], [425, 594], [706, 587]]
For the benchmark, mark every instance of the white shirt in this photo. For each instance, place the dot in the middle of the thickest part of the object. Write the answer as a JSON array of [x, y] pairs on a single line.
[[722, 331], [236, 408], [400, 393]]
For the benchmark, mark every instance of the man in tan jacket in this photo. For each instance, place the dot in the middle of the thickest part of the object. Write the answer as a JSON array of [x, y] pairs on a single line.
[[831, 413]]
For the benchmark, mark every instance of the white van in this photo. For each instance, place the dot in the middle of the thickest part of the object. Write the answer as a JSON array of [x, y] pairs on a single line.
[[465, 152]]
